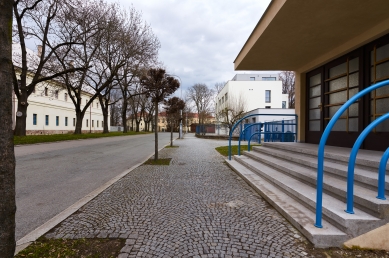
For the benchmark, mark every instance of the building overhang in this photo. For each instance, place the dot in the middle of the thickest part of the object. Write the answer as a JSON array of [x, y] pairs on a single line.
[[292, 34]]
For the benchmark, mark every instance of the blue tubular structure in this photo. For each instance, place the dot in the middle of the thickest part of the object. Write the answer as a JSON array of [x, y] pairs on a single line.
[[353, 157], [239, 122], [323, 140], [381, 175], [248, 144]]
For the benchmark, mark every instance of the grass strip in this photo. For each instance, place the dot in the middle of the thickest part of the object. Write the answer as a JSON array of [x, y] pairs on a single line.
[[31, 139], [54, 248], [223, 150], [165, 162]]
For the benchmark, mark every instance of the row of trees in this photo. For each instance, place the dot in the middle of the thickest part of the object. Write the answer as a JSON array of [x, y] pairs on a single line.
[[85, 46]]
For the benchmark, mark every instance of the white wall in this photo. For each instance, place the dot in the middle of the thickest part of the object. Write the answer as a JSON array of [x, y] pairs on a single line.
[[52, 106], [253, 93]]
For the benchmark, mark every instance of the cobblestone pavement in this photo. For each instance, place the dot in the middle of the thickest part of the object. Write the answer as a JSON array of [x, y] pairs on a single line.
[[196, 207]]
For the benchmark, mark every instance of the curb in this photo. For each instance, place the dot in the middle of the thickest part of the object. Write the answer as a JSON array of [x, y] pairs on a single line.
[[53, 222]]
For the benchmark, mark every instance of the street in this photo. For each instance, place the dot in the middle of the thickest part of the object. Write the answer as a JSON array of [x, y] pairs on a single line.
[[50, 177]]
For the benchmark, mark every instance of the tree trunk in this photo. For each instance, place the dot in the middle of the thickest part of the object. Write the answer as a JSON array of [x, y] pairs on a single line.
[[105, 115], [124, 116], [7, 157], [137, 125], [20, 127], [79, 118], [171, 135], [156, 131]]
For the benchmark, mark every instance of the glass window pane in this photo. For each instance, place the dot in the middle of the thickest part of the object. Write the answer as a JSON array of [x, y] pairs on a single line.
[[353, 80], [353, 65], [315, 91], [332, 110], [338, 97], [314, 114], [353, 124], [340, 125], [337, 70], [314, 125], [338, 84], [315, 80], [382, 71], [353, 110], [382, 106], [383, 127], [382, 52], [382, 91], [352, 92], [314, 103]]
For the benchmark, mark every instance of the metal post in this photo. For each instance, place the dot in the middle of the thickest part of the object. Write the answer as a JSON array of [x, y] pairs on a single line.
[[180, 124]]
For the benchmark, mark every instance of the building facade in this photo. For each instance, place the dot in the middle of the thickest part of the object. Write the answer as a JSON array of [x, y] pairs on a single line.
[[251, 94], [334, 58], [51, 111]]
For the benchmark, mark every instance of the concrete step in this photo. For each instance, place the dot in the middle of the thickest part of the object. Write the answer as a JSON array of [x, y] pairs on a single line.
[[364, 198], [297, 214], [363, 177], [333, 209], [366, 158]]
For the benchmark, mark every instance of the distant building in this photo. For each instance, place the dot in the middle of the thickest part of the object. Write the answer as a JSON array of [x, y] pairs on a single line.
[[50, 109], [254, 90]]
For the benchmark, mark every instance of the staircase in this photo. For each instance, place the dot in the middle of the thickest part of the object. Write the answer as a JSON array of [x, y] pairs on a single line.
[[285, 175]]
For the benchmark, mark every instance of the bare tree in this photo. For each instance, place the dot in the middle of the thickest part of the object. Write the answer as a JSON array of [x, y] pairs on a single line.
[[232, 111], [158, 86], [36, 19], [288, 84], [102, 49], [7, 157], [173, 106], [218, 87], [202, 97]]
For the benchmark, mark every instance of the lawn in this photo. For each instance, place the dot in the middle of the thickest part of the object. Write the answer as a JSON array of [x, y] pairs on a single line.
[[223, 150], [54, 248], [31, 139]]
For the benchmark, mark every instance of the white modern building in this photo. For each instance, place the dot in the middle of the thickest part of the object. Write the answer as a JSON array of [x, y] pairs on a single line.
[[50, 109], [254, 90]]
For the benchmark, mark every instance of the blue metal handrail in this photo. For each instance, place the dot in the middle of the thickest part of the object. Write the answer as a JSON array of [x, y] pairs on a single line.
[[239, 123], [323, 140]]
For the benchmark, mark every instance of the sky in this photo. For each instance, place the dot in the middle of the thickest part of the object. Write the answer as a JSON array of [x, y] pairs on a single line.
[[200, 39]]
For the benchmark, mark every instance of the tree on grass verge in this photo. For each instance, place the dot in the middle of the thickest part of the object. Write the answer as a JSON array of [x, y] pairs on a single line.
[[173, 107], [158, 86], [7, 157], [202, 97]]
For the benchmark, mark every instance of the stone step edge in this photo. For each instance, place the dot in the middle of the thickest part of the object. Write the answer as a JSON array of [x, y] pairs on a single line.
[[327, 154], [298, 215], [306, 174], [333, 208], [367, 177]]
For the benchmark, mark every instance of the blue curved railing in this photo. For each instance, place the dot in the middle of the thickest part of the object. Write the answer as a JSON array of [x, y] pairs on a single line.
[[239, 123], [354, 151]]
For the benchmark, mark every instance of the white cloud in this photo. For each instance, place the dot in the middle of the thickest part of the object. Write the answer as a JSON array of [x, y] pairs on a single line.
[[200, 39]]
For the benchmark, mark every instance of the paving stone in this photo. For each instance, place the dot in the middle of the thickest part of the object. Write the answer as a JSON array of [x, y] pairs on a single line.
[[196, 207]]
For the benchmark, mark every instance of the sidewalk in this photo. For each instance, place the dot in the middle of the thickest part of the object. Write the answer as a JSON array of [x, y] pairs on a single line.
[[196, 207]]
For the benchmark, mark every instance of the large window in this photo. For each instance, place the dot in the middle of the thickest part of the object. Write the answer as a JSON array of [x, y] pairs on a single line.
[[283, 104], [66, 121], [252, 78], [269, 78], [34, 118], [267, 96], [57, 120], [47, 120]]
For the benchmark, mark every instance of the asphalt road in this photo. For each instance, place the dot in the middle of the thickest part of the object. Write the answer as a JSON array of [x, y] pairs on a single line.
[[50, 177]]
